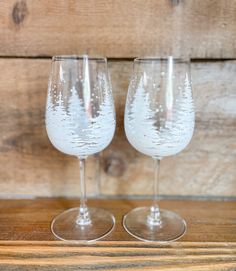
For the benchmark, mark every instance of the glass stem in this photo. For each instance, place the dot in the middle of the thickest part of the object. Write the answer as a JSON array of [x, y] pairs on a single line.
[[83, 217], [157, 163], [154, 218]]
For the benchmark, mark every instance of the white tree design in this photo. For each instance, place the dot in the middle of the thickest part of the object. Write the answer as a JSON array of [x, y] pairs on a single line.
[[140, 120], [173, 134]]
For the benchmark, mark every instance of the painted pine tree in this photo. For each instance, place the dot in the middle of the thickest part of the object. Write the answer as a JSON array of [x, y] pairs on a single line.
[[140, 121]]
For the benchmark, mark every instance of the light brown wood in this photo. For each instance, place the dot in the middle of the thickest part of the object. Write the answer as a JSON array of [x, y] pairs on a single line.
[[27, 243], [206, 166], [32, 166], [200, 29]]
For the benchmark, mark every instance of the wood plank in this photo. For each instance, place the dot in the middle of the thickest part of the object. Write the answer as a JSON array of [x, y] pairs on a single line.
[[124, 29], [27, 243], [117, 256], [32, 167], [206, 166], [29, 220]]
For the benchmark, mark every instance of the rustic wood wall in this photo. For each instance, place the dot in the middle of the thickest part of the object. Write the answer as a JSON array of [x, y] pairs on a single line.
[[32, 31]]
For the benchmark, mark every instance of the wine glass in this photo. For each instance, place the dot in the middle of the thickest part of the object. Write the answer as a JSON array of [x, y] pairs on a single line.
[[159, 121], [80, 121]]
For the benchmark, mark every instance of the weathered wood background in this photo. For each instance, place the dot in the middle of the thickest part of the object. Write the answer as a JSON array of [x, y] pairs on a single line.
[[201, 29], [32, 31]]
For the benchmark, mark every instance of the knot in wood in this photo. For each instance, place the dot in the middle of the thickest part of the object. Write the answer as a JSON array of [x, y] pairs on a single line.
[[19, 12], [114, 165]]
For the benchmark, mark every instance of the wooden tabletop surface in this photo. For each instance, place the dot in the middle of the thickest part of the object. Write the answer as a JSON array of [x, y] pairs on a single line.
[[27, 243]]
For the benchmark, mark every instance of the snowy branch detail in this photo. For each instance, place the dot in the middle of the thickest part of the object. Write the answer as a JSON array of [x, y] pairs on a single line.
[[74, 130], [160, 132]]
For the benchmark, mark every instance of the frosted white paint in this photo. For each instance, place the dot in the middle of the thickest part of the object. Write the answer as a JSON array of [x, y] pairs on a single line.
[[72, 129], [176, 123]]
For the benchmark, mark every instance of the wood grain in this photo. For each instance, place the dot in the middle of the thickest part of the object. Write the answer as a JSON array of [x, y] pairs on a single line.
[[32, 167], [207, 165], [27, 243], [29, 220], [124, 29], [59, 256]]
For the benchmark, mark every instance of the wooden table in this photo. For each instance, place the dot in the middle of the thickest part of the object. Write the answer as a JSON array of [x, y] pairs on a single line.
[[27, 243]]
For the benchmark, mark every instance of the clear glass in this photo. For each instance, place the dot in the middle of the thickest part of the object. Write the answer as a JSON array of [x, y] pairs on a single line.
[[80, 121], [159, 122]]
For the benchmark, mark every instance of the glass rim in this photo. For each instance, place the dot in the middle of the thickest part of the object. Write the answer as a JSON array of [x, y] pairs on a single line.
[[78, 57], [161, 59]]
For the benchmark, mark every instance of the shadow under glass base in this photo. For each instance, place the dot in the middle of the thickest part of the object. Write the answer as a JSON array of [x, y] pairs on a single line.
[[64, 226], [172, 226]]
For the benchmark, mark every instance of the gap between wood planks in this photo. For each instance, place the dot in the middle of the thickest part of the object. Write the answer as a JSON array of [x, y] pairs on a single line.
[[118, 59], [124, 197]]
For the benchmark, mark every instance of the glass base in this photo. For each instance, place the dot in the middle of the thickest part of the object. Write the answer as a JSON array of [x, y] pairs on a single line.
[[65, 226], [171, 227]]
